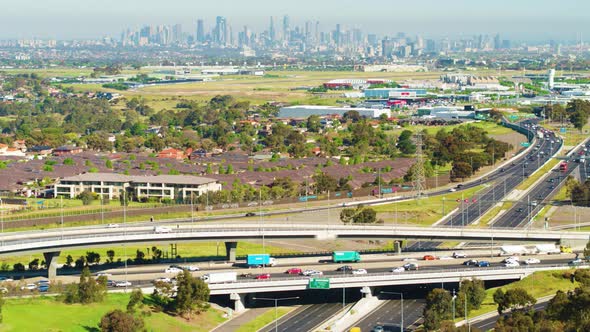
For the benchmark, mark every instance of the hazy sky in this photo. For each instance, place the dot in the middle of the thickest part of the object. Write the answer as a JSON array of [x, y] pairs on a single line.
[[516, 19]]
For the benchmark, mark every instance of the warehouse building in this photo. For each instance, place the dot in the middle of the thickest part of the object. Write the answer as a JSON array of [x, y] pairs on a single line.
[[304, 111]]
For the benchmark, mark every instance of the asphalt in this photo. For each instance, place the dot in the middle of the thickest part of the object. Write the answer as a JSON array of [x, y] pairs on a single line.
[[388, 315], [306, 318]]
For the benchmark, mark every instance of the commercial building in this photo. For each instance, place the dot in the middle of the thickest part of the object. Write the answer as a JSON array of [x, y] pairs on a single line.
[[447, 112], [112, 185], [304, 111], [397, 93]]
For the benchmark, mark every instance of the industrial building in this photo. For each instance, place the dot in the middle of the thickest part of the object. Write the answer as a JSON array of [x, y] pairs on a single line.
[[304, 111], [447, 112], [397, 93]]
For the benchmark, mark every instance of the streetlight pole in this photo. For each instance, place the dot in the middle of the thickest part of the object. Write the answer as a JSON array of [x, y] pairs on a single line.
[[453, 300], [276, 301], [401, 326]]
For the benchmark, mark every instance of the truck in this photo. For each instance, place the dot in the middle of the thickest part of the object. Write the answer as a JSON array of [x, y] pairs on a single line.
[[346, 256], [260, 260], [540, 134], [547, 248], [565, 249], [513, 250], [219, 277]]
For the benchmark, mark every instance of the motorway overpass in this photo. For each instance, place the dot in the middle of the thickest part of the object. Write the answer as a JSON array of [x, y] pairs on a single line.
[[367, 283], [51, 242]]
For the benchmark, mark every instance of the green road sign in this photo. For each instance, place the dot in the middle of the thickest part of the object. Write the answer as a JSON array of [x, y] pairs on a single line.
[[525, 144], [322, 283]]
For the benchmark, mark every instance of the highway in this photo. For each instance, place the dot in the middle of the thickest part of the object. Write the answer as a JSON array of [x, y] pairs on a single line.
[[306, 317], [388, 314]]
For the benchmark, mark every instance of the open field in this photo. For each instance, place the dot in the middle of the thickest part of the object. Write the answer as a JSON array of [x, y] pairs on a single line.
[[423, 212], [48, 314], [539, 284]]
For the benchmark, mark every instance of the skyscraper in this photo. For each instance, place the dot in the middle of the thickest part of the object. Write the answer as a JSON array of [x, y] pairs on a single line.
[[286, 28], [200, 31], [220, 31], [271, 30]]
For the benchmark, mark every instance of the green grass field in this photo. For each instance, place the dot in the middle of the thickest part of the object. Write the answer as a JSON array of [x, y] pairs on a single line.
[[48, 314], [539, 284], [423, 212], [266, 318]]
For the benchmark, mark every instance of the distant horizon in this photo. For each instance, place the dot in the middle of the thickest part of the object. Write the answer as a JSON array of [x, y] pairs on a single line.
[[526, 20]]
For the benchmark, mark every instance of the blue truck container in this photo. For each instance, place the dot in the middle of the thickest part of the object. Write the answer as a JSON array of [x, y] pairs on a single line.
[[260, 260], [346, 256]]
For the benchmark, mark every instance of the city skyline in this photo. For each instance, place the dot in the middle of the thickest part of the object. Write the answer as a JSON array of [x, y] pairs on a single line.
[[63, 19]]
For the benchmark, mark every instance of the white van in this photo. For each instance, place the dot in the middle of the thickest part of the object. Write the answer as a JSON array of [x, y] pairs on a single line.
[[162, 229]]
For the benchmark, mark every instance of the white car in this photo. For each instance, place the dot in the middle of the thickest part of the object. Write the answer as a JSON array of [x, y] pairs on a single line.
[[103, 274], [113, 226], [122, 284], [511, 258], [162, 279], [29, 287], [409, 259], [312, 273], [452, 190], [511, 264], [398, 269], [162, 229], [446, 258], [316, 274], [531, 260], [359, 271], [173, 270], [191, 268], [459, 255]]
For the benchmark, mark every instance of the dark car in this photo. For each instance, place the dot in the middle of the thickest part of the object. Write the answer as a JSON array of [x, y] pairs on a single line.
[[43, 288], [471, 262], [250, 214], [519, 210], [111, 283], [345, 268]]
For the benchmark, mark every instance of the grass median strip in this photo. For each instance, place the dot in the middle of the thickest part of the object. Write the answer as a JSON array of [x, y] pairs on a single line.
[[264, 319], [533, 178]]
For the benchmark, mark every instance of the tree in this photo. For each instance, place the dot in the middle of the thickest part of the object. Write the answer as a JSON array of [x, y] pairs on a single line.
[[139, 256], [89, 289], [438, 308], [365, 216], [2, 302], [516, 298], [325, 183], [474, 291], [87, 197], [192, 295], [347, 215], [135, 298], [518, 321], [461, 170], [18, 267], [69, 261], [34, 264], [499, 300], [108, 164], [92, 257], [110, 256], [119, 321]]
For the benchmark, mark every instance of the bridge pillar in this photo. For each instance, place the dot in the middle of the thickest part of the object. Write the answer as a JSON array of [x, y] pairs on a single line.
[[239, 301], [397, 247], [230, 251], [367, 291], [51, 262]]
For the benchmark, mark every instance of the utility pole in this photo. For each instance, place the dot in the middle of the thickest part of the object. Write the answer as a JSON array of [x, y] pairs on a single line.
[[419, 177]]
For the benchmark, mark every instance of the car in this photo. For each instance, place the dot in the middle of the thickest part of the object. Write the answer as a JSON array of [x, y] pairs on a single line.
[[452, 190], [308, 272], [471, 262], [359, 271], [519, 210], [575, 262], [246, 275], [7, 279], [511, 264], [190, 268], [483, 264], [43, 282], [29, 287], [409, 259], [294, 270], [551, 180], [502, 169], [173, 269], [344, 268], [315, 273], [43, 288], [534, 203], [250, 214], [162, 279], [378, 328], [162, 229], [511, 258], [459, 255], [532, 260], [262, 276], [446, 258], [103, 274], [459, 186], [111, 283], [411, 266], [398, 269], [122, 283], [429, 258]]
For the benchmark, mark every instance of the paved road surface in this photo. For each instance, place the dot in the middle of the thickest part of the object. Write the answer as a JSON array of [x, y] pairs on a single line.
[[388, 315], [306, 318]]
